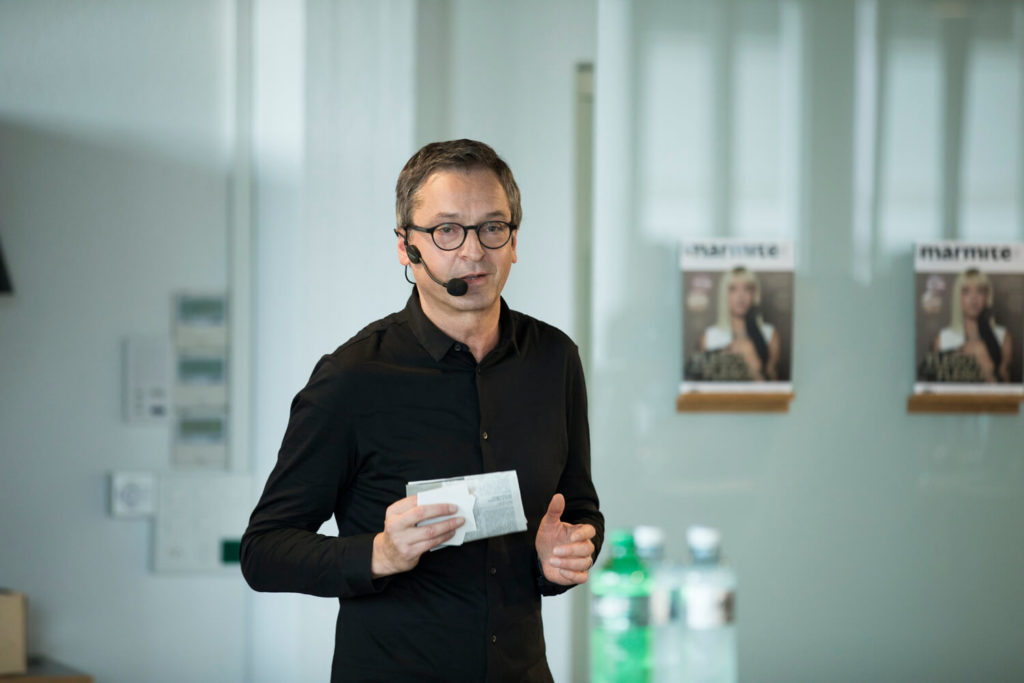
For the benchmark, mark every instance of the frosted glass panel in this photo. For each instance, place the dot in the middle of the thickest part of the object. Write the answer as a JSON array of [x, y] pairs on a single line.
[[911, 159], [992, 150], [713, 134], [870, 544], [759, 156], [674, 91]]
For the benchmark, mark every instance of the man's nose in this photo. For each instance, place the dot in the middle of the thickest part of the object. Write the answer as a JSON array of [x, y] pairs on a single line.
[[472, 247]]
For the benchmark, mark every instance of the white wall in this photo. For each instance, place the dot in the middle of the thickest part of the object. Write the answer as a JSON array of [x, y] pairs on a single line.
[[115, 145]]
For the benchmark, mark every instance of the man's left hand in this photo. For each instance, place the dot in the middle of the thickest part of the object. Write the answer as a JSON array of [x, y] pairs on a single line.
[[565, 550]]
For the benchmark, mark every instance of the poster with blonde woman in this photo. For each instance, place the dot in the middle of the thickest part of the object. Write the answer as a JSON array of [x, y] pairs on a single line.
[[969, 316], [737, 316]]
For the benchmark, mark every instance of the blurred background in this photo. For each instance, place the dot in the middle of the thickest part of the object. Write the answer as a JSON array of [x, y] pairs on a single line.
[[250, 148]]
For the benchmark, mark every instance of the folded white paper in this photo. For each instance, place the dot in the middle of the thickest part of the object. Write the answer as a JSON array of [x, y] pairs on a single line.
[[454, 493], [496, 507]]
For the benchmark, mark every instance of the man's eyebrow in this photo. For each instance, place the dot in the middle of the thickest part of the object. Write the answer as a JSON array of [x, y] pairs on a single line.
[[497, 213]]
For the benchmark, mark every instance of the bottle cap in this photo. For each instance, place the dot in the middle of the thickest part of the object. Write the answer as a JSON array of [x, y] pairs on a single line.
[[649, 536], [621, 537], [703, 538], [621, 542]]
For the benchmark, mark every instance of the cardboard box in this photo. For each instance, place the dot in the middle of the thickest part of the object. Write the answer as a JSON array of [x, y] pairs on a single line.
[[12, 632]]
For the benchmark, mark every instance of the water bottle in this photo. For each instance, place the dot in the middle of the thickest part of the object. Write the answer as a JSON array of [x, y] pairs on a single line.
[[620, 637], [667, 619], [709, 592]]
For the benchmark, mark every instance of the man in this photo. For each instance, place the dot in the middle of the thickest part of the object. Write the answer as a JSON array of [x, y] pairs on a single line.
[[454, 384]]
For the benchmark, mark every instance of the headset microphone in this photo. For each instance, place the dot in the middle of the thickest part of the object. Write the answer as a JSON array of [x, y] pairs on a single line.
[[455, 287]]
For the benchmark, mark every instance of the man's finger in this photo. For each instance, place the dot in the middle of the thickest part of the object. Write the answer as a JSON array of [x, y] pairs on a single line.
[[432, 542], [422, 512], [583, 549], [578, 564], [556, 507], [582, 532], [430, 531], [575, 577]]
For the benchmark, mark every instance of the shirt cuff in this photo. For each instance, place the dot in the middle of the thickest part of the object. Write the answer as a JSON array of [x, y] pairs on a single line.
[[545, 586], [355, 565]]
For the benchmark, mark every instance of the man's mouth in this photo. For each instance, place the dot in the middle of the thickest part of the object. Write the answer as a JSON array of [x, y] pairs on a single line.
[[473, 278]]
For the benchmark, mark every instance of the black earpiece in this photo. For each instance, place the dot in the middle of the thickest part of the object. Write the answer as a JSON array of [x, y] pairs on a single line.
[[413, 253]]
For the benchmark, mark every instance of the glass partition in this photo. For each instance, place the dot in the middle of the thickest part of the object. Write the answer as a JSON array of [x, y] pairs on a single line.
[[870, 544]]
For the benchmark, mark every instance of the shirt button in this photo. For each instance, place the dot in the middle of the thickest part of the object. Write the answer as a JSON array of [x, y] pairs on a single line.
[[494, 570], [458, 347], [485, 436], [494, 639]]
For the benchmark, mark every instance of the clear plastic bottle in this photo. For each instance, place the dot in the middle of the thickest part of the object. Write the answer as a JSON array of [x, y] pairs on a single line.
[[667, 618], [709, 591], [620, 636]]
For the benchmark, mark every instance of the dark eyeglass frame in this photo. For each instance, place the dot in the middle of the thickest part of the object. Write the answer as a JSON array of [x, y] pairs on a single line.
[[465, 232]]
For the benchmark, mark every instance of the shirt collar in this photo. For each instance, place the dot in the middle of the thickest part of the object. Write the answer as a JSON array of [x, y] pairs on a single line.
[[507, 337], [437, 343]]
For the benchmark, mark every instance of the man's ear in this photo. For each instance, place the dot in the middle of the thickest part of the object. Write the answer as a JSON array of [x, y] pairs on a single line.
[[403, 257], [515, 234]]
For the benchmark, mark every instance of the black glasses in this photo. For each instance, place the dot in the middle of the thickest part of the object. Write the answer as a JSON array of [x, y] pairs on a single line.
[[450, 236]]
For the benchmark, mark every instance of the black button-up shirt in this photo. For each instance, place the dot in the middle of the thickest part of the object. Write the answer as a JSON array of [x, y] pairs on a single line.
[[399, 402]]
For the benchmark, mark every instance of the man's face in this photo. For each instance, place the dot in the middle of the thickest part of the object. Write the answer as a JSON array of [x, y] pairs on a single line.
[[470, 198]]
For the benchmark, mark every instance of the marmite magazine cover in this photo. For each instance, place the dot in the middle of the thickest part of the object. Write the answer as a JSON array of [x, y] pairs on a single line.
[[969, 315], [737, 315]]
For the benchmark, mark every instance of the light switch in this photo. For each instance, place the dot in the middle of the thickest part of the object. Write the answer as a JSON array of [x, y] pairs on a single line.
[[132, 494]]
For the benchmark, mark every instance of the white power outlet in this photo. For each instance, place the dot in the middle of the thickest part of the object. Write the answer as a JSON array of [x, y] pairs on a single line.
[[132, 494]]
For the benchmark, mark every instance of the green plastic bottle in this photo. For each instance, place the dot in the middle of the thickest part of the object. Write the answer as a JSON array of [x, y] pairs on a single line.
[[621, 638]]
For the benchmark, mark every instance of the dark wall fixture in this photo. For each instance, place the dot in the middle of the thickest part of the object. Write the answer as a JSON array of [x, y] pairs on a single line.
[[5, 279]]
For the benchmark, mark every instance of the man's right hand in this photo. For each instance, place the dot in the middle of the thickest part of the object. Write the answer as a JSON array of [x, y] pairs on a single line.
[[398, 548]]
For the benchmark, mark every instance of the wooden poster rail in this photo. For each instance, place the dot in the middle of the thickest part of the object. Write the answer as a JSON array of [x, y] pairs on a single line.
[[714, 402], [964, 403]]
